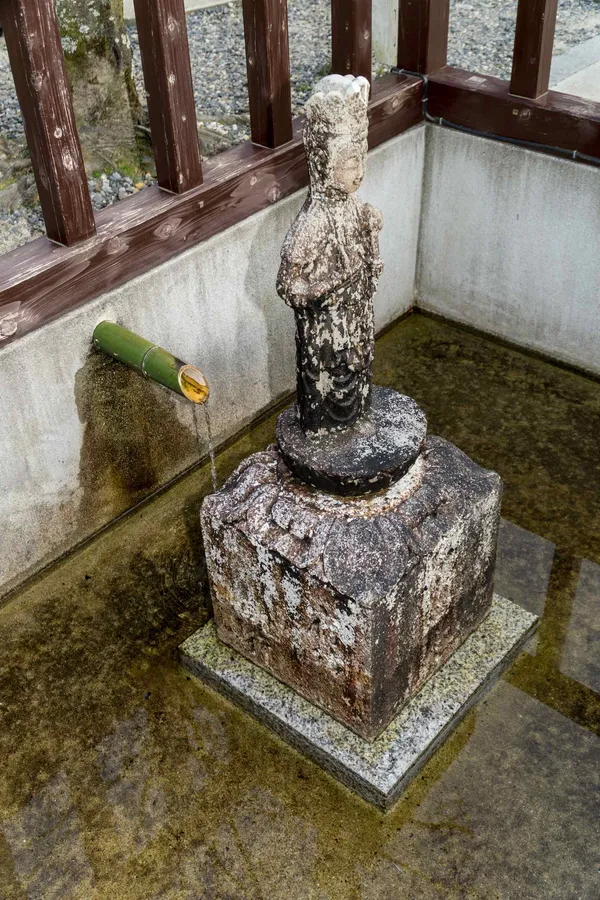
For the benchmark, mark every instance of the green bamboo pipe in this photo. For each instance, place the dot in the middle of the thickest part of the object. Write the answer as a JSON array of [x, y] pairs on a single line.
[[155, 363]]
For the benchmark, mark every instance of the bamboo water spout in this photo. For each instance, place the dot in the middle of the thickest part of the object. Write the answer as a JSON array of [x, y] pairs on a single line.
[[152, 361]]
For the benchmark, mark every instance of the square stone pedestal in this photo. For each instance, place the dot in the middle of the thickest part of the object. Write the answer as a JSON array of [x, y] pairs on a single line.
[[353, 601], [379, 771]]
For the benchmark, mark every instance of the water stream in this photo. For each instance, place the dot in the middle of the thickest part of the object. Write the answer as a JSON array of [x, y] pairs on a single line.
[[203, 407]]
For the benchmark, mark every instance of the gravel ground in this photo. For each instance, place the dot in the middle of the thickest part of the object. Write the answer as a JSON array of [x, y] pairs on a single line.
[[216, 37], [577, 21], [219, 73]]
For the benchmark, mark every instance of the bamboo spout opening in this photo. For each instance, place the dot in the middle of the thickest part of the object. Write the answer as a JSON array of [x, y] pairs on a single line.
[[193, 384]]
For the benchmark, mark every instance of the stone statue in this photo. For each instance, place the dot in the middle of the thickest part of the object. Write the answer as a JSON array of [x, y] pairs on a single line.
[[343, 435], [330, 261], [355, 555]]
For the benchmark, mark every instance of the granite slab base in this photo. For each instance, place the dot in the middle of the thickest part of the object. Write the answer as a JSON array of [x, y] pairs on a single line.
[[378, 771]]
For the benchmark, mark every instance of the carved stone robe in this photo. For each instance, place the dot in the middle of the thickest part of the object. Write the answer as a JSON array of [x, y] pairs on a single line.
[[329, 270]]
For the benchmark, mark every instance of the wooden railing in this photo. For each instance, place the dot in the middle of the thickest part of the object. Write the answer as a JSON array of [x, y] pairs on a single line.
[[522, 109], [89, 254], [37, 63]]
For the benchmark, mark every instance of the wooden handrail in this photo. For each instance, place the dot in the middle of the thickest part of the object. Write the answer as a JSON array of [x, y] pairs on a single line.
[[485, 103], [36, 59], [351, 37], [423, 35], [268, 68], [153, 226], [534, 40], [162, 33]]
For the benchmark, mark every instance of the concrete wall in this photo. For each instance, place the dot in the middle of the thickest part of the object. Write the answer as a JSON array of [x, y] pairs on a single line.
[[510, 244], [83, 439]]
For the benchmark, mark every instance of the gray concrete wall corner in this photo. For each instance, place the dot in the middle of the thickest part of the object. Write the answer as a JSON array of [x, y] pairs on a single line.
[[509, 244]]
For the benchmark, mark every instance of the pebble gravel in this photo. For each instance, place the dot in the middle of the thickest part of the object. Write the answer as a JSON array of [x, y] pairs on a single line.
[[481, 40], [216, 38], [482, 32]]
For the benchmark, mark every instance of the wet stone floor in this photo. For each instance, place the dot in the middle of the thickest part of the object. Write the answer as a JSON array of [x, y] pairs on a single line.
[[122, 778]]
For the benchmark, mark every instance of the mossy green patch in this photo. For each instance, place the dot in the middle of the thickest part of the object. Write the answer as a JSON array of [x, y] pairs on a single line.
[[122, 778]]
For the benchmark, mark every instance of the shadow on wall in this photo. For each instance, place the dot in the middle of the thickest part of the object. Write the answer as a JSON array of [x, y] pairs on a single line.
[[134, 442], [134, 439]]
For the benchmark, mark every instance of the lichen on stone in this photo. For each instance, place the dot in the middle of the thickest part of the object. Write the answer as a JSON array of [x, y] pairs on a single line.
[[330, 261]]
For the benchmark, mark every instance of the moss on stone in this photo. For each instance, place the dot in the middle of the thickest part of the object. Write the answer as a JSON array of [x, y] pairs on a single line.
[[98, 59]]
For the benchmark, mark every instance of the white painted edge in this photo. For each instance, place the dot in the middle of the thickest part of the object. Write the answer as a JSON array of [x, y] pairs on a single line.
[[190, 6]]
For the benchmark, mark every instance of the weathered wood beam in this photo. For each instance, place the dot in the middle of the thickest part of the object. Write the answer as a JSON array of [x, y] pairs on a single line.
[[486, 104], [268, 68], [534, 39], [423, 35], [351, 37], [37, 62], [153, 226], [162, 33]]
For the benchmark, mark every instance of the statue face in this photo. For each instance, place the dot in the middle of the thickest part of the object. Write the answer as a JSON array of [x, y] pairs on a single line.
[[348, 166], [335, 135]]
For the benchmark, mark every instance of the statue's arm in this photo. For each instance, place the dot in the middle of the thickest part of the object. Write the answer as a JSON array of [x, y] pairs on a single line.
[[373, 223], [374, 217], [309, 269], [301, 283], [293, 281]]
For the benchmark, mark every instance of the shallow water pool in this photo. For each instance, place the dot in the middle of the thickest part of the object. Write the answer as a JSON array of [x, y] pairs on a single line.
[[123, 778]]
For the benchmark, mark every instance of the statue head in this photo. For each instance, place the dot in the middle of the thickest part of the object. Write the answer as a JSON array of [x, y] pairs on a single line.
[[335, 134]]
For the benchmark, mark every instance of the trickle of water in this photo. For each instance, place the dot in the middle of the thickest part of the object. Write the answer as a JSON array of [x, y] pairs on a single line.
[[211, 449]]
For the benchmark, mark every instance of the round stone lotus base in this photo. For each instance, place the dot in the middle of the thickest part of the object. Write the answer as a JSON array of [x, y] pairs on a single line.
[[373, 454]]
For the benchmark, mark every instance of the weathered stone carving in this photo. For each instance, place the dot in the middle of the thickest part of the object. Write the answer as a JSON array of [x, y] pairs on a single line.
[[343, 435], [354, 601], [330, 261]]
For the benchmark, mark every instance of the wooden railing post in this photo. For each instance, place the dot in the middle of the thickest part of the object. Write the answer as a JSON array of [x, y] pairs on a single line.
[[268, 68], [351, 37], [37, 62], [423, 35], [165, 52], [534, 39]]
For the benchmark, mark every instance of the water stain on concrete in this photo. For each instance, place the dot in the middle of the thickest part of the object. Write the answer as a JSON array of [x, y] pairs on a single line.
[[134, 439], [122, 778]]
